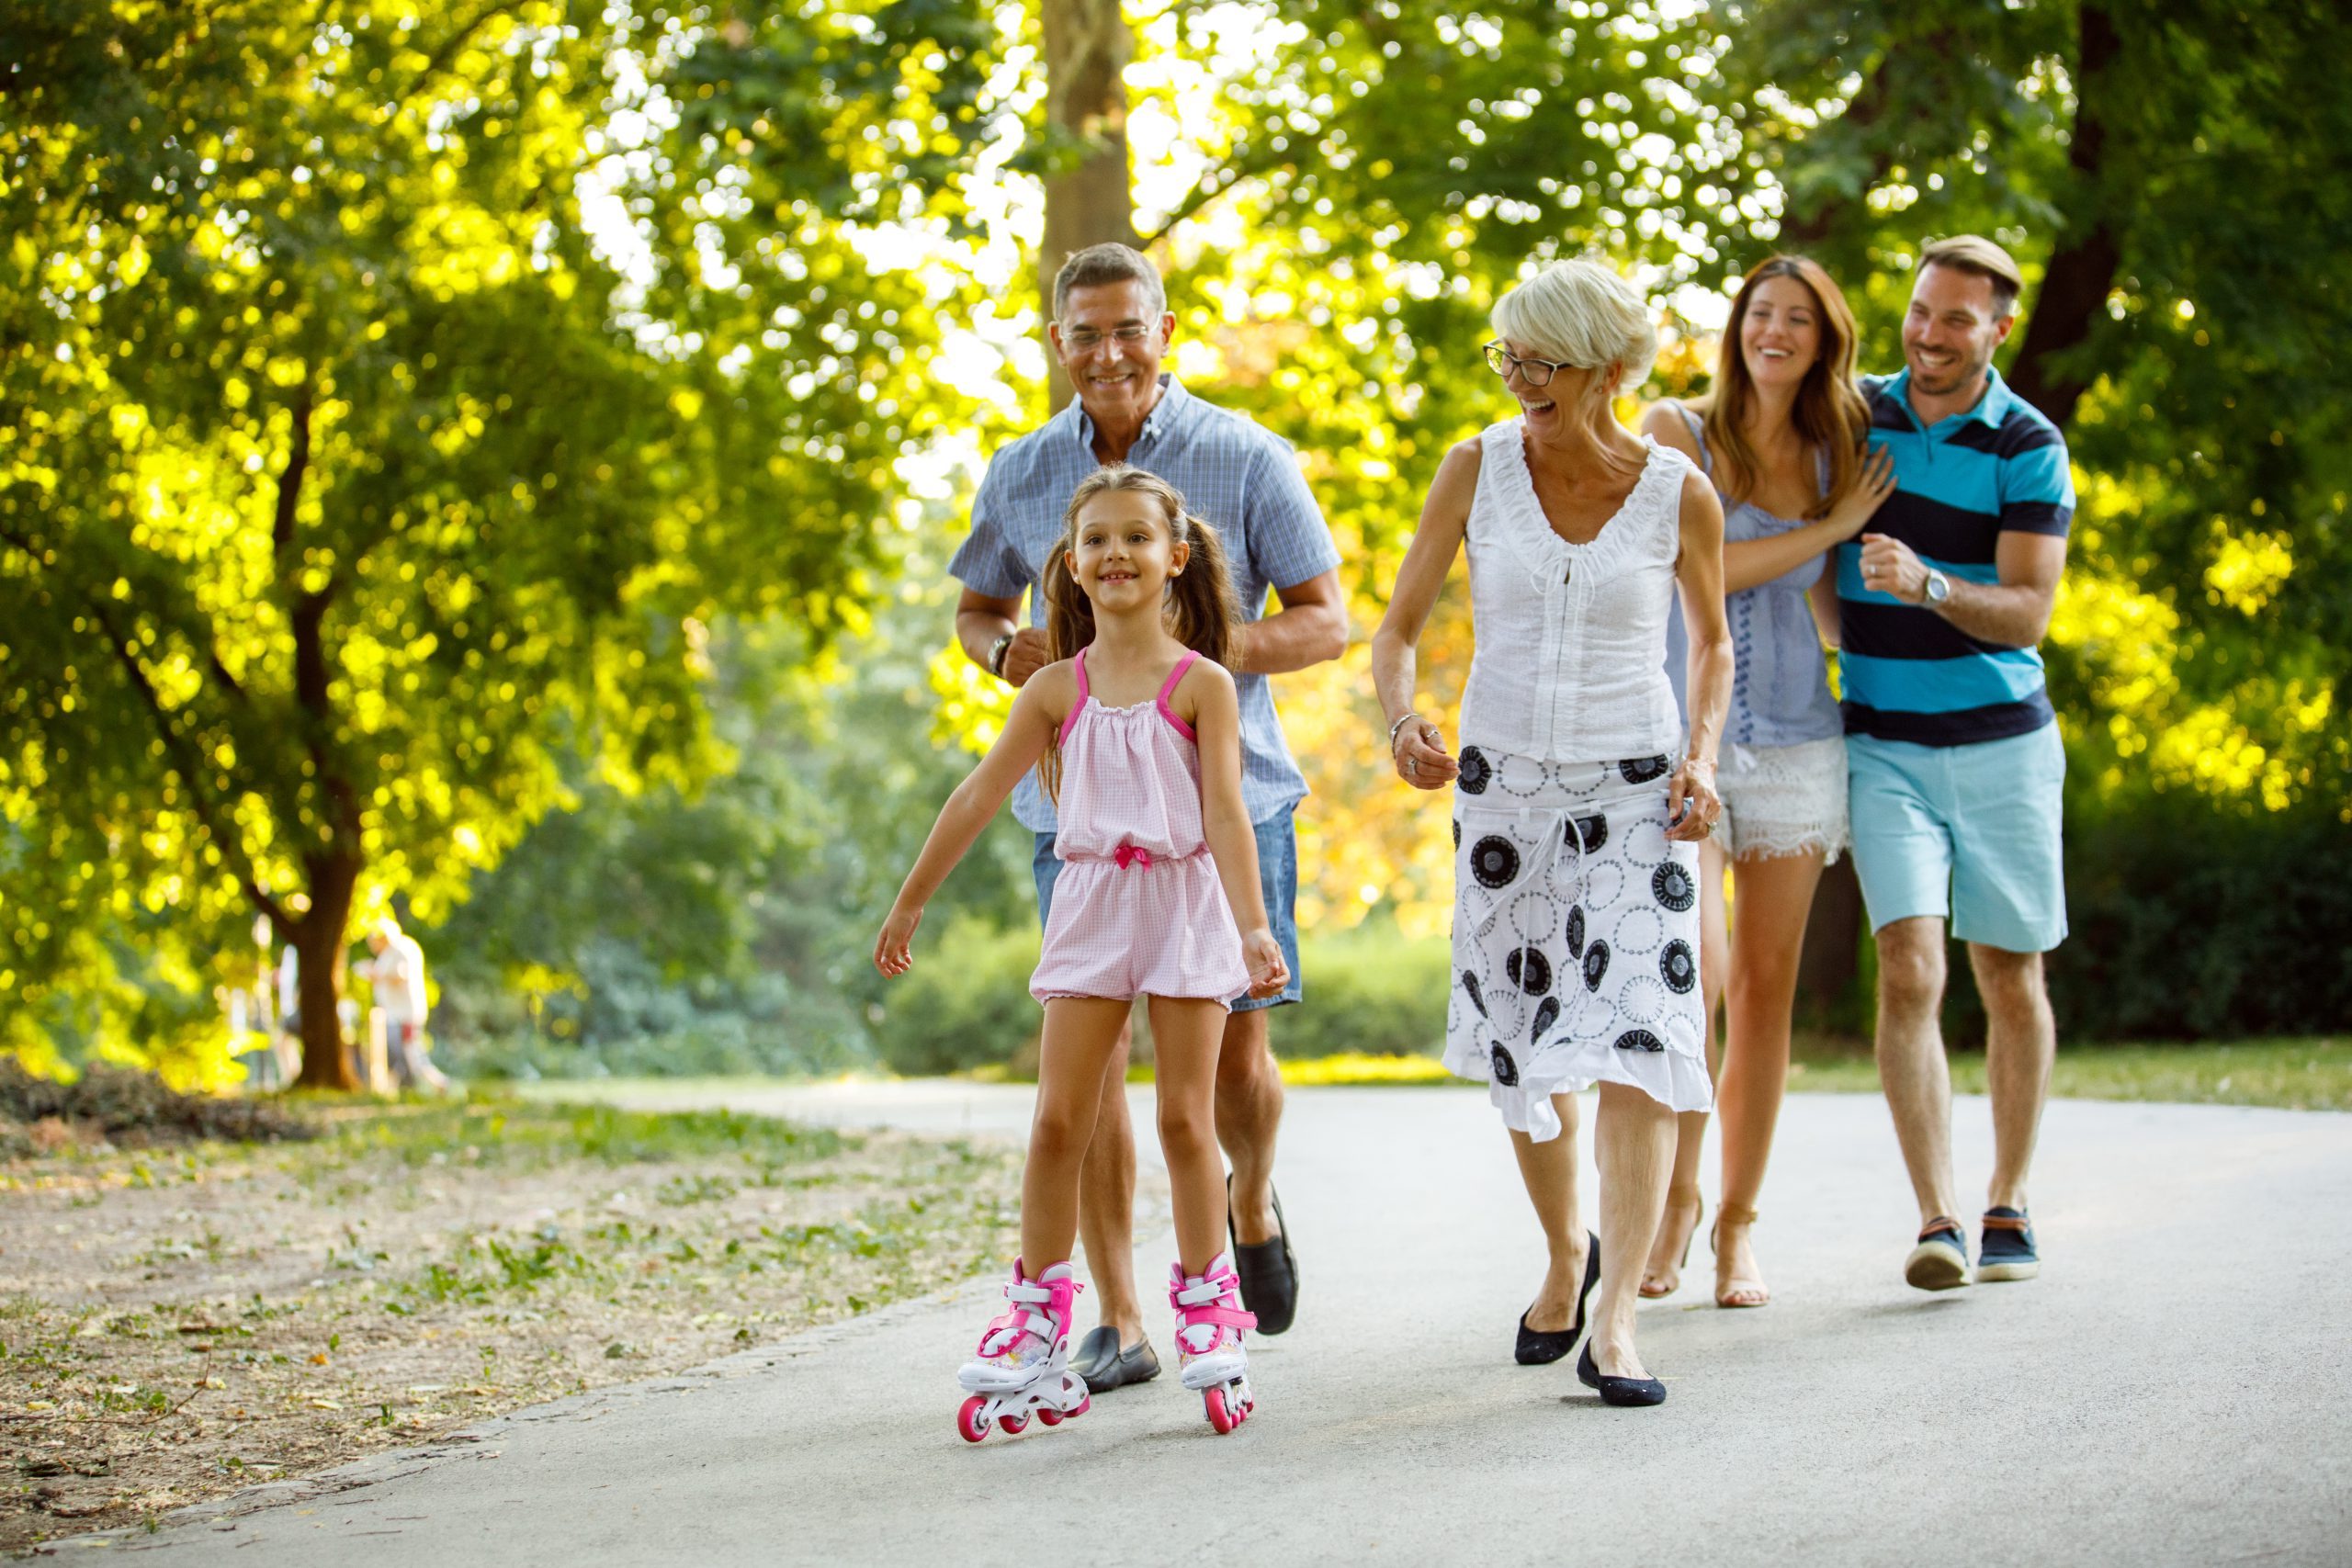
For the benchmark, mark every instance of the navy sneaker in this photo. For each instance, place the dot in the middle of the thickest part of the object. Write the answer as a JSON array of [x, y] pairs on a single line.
[[1940, 1260], [2007, 1252]]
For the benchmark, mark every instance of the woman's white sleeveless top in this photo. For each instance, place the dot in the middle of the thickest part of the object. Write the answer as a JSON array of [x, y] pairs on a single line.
[[1569, 657]]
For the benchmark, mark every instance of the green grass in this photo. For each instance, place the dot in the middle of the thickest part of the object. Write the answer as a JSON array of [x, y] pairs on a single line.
[[2295, 1075], [2314, 1074], [502, 1128]]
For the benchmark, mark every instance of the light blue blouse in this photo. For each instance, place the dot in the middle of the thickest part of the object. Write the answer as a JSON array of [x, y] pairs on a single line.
[[1779, 692]]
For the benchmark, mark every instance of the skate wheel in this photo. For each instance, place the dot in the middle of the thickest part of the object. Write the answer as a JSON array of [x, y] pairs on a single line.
[[1085, 1402], [1013, 1425], [969, 1423], [1048, 1416], [1223, 1416]]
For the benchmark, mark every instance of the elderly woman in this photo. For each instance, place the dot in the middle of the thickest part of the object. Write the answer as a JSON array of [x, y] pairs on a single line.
[[1578, 805]]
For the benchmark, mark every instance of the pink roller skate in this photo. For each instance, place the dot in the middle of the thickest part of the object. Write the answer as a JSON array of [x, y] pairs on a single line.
[[1022, 1364], [1209, 1321]]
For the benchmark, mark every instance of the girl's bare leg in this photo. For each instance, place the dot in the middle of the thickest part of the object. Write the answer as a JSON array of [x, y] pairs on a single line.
[[1775, 897], [1082, 1035], [1684, 1203], [1187, 1036], [1549, 1169]]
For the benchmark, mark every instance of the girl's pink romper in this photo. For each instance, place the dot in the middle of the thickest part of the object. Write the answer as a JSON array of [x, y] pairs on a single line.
[[1138, 908]]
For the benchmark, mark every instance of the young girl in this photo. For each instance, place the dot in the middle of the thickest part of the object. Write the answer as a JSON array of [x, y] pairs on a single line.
[[1138, 734]]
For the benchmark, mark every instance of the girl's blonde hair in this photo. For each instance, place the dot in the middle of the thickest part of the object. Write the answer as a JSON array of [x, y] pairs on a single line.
[[1202, 612], [1829, 412]]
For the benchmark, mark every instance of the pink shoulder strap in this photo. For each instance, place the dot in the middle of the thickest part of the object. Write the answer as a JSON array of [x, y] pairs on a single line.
[[1075, 708], [1175, 677]]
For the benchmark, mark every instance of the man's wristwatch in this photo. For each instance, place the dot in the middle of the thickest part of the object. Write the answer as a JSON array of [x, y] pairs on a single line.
[[997, 650], [1937, 589]]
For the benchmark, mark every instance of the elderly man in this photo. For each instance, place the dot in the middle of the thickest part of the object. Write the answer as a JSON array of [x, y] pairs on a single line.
[[1953, 756], [1110, 329]]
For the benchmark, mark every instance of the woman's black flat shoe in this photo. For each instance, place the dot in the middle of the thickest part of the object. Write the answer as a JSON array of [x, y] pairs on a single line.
[[1619, 1391], [1540, 1347]]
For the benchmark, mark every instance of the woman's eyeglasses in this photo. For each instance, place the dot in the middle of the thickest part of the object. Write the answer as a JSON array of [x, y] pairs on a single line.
[[1534, 372]]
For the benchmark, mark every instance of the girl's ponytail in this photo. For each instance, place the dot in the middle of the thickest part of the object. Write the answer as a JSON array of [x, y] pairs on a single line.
[[1201, 602]]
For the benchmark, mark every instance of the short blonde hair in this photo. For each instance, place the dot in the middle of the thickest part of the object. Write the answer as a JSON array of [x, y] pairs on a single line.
[[1584, 314], [1974, 254]]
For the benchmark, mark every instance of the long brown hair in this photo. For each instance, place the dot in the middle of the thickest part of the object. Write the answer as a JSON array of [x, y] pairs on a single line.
[[1829, 412], [1202, 612]]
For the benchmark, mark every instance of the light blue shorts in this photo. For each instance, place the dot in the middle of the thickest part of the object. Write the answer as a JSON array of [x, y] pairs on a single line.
[[1968, 832]]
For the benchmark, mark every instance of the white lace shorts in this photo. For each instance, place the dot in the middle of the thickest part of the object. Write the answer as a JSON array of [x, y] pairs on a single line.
[[1784, 800]]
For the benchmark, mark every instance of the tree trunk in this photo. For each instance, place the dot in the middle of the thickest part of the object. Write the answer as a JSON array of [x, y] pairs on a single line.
[[1087, 45], [319, 942], [2083, 267]]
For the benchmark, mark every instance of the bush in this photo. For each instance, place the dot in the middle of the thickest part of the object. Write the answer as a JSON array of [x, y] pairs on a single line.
[[1371, 991], [965, 1003], [2189, 922]]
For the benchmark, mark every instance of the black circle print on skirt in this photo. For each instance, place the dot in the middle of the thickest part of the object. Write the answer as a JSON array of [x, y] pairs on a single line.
[[1589, 832], [1674, 888], [1528, 970], [1596, 965], [1494, 861], [1639, 1040], [1475, 771], [1641, 769], [1545, 1016], [1470, 983], [1457, 835], [1576, 930], [1674, 966], [1506, 1070]]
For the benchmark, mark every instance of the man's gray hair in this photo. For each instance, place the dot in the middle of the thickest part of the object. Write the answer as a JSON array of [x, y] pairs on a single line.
[[1112, 262]]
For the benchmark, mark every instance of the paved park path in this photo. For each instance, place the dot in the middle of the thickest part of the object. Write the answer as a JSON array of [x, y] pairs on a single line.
[[2176, 1388]]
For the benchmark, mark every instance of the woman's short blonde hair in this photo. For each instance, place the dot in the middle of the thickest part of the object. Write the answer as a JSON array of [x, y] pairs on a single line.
[[1584, 314]]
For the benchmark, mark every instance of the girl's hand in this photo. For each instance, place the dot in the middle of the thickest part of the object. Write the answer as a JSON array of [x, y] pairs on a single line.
[[890, 949], [1420, 757], [1263, 954], [1693, 808], [1871, 489]]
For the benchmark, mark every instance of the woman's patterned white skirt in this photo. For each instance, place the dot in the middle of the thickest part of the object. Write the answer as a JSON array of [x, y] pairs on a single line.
[[1576, 937]]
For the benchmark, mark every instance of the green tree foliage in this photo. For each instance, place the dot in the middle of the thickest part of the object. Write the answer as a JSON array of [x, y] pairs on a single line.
[[389, 397]]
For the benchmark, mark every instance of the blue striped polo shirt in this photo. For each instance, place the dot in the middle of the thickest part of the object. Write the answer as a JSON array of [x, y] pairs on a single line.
[[1906, 672]]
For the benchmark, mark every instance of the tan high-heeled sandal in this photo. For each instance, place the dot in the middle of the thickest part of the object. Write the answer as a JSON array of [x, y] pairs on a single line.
[[1728, 1285], [1697, 1204]]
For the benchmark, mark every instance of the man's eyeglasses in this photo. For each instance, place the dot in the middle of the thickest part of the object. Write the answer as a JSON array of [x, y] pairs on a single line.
[[1078, 340], [1534, 372]]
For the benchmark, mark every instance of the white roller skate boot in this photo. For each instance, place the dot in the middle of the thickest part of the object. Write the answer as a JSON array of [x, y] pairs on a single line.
[[1209, 1321], [1022, 1364]]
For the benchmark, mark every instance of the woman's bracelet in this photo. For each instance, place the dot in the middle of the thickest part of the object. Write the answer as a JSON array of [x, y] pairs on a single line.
[[1398, 726]]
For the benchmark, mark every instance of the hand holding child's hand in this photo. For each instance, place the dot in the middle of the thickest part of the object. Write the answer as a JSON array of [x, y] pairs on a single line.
[[890, 949], [1263, 954]]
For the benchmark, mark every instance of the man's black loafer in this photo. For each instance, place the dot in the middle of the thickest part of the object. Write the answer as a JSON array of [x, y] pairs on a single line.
[[1269, 1270], [1105, 1367]]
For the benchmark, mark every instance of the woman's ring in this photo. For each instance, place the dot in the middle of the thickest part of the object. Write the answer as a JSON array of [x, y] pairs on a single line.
[[1413, 765]]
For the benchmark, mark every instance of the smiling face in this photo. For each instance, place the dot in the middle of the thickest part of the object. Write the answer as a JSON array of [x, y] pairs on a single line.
[[1122, 550], [1951, 329], [1115, 380], [1567, 398], [1780, 337]]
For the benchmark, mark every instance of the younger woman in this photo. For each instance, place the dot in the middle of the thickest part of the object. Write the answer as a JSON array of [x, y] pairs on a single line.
[[1780, 435], [1138, 734]]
